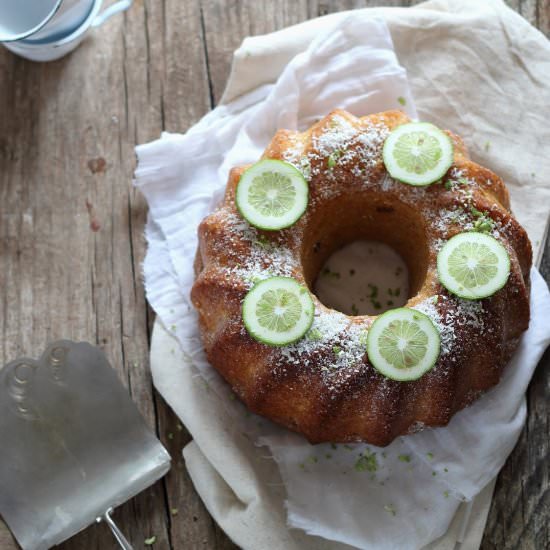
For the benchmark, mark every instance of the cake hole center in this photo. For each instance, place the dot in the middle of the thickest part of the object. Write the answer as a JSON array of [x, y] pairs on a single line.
[[363, 278]]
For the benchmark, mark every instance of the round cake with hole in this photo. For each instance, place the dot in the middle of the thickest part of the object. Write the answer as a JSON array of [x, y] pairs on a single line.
[[399, 358]]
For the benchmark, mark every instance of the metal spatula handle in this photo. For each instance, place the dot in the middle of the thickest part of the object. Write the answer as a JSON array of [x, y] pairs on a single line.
[[117, 533]]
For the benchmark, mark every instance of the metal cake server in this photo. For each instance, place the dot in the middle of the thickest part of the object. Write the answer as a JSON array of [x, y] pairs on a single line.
[[72, 445]]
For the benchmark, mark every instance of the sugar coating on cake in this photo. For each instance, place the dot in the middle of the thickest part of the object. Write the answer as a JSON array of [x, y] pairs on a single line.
[[323, 386]]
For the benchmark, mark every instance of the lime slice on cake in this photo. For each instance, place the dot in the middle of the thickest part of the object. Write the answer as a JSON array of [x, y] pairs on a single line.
[[272, 194], [418, 153], [278, 311], [403, 344], [473, 265]]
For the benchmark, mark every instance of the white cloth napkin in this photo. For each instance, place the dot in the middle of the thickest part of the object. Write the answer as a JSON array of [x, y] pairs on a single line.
[[351, 65]]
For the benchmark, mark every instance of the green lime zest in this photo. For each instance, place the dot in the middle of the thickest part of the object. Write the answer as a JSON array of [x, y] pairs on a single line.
[[314, 334], [367, 462], [483, 223], [333, 157], [263, 242], [328, 273]]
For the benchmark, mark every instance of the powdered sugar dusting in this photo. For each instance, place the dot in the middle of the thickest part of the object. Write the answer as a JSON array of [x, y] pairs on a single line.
[[344, 144], [324, 330], [239, 228], [294, 154], [341, 143], [448, 313], [263, 259], [336, 137], [334, 346], [446, 332], [456, 216]]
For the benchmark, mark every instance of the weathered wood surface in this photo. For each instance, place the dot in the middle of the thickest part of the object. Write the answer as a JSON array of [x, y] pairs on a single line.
[[71, 231]]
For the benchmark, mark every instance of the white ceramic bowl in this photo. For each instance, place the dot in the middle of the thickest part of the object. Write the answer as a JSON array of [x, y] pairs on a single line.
[[47, 46]]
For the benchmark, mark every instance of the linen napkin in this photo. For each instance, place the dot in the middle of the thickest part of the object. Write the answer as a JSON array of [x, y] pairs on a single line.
[[180, 174]]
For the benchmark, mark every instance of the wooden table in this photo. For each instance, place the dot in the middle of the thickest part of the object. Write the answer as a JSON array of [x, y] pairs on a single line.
[[71, 231]]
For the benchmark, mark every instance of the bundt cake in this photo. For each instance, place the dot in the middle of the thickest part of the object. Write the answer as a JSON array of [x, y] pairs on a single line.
[[332, 379]]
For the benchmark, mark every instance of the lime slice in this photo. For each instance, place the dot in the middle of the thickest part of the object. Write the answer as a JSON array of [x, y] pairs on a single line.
[[272, 194], [473, 265], [418, 153], [278, 311], [403, 344]]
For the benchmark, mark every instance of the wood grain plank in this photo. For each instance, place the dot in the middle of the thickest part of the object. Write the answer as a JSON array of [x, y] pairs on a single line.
[[125, 109], [78, 204], [239, 19], [543, 16], [520, 511], [72, 227], [323, 7], [530, 10]]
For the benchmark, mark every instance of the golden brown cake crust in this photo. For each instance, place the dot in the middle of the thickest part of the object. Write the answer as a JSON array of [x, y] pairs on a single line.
[[324, 387]]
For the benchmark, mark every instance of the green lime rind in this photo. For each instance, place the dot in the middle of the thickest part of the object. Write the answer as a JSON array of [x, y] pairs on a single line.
[[257, 212], [498, 268], [441, 164], [423, 327], [254, 305]]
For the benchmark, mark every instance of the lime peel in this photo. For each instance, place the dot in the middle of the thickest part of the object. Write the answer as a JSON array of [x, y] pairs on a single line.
[[272, 195], [418, 153], [403, 344], [473, 265], [278, 311]]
